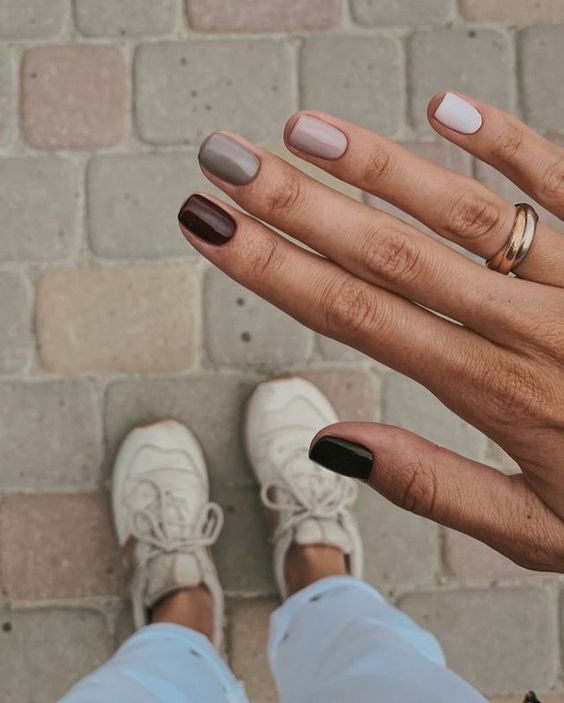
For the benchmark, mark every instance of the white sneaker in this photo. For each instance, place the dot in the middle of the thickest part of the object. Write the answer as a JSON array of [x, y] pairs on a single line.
[[161, 508], [283, 415]]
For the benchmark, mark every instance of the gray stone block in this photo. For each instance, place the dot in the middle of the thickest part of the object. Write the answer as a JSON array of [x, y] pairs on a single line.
[[356, 78], [378, 13], [96, 18], [49, 433], [413, 407], [210, 404], [133, 203], [185, 90], [242, 329], [15, 323], [43, 652], [38, 199], [400, 548], [7, 95], [500, 640], [31, 19], [454, 59], [541, 73]]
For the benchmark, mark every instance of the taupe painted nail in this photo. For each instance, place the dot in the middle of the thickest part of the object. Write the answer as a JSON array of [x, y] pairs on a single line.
[[318, 138], [228, 160]]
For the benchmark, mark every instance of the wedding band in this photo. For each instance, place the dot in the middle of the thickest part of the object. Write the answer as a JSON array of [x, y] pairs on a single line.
[[519, 241]]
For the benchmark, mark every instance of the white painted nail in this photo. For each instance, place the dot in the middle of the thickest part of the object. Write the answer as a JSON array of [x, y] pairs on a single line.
[[456, 113]]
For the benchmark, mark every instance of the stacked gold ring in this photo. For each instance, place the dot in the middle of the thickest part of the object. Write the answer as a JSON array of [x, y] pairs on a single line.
[[519, 241]]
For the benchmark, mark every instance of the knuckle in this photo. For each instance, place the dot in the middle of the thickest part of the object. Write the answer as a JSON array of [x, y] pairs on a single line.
[[552, 181], [471, 217], [349, 308], [392, 255], [284, 195], [419, 495], [263, 257], [509, 141], [376, 166]]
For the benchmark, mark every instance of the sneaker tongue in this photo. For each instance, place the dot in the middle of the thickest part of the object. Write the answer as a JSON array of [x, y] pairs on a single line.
[[170, 572], [323, 531]]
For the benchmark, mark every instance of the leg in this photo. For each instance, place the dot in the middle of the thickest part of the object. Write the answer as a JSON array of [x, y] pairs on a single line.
[[165, 523], [360, 648], [335, 639]]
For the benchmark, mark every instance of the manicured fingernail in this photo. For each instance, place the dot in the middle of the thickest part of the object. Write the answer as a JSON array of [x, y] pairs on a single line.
[[343, 457], [228, 160], [207, 220], [456, 113], [318, 138]]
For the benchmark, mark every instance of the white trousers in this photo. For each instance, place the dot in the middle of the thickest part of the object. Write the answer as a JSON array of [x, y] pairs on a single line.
[[337, 641]]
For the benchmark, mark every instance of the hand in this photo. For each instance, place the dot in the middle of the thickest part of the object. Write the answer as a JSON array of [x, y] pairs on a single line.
[[380, 285]]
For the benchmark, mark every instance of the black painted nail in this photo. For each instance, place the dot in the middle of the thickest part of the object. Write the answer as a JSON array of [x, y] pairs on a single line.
[[343, 457], [207, 220]]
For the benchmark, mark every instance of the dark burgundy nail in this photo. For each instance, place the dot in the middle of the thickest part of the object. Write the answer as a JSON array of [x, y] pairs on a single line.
[[207, 220], [343, 457]]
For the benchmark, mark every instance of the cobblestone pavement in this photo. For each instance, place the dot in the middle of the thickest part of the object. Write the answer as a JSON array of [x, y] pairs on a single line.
[[107, 318]]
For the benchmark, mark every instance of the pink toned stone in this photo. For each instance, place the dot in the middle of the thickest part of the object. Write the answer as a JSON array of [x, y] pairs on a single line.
[[58, 546], [116, 319], [467, 559], [74, 97], [264, 15], [354, 393]]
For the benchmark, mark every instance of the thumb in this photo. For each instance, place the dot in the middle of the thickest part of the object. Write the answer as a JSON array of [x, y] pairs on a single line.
[[434, 482]]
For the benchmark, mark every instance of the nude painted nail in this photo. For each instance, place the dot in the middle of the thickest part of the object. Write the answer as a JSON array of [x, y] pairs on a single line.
[[318, 138], [228, 159], [458, 114]]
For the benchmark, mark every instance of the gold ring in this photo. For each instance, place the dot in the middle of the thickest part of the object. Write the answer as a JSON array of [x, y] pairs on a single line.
[[519, 241]]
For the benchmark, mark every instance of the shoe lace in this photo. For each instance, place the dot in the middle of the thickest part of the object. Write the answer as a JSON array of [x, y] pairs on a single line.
[[161, 526], [301, 500]]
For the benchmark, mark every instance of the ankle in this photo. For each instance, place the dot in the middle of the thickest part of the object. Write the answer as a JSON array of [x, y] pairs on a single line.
[[306, 564], [189, 607]]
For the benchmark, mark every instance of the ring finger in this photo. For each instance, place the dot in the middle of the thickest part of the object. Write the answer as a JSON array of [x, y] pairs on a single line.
[[454, 206]]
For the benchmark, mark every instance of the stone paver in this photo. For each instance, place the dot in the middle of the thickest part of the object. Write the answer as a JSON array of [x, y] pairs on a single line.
[[500, 640], [466, 559], [542, 105], [39, 198], [446, 59], [28, 20], [243, 552], [7, 95], [264, 15], [378, 13], [113, 319], [400, 548], [248, 637], [517, 12], [211, 404], [74, 97], [356, 78], [15, 323], [413, 407], [43, 652], [96, 18], [354, 393], [133, 202], [183, 92], [50, 434], [244, 330], [55, 546]]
